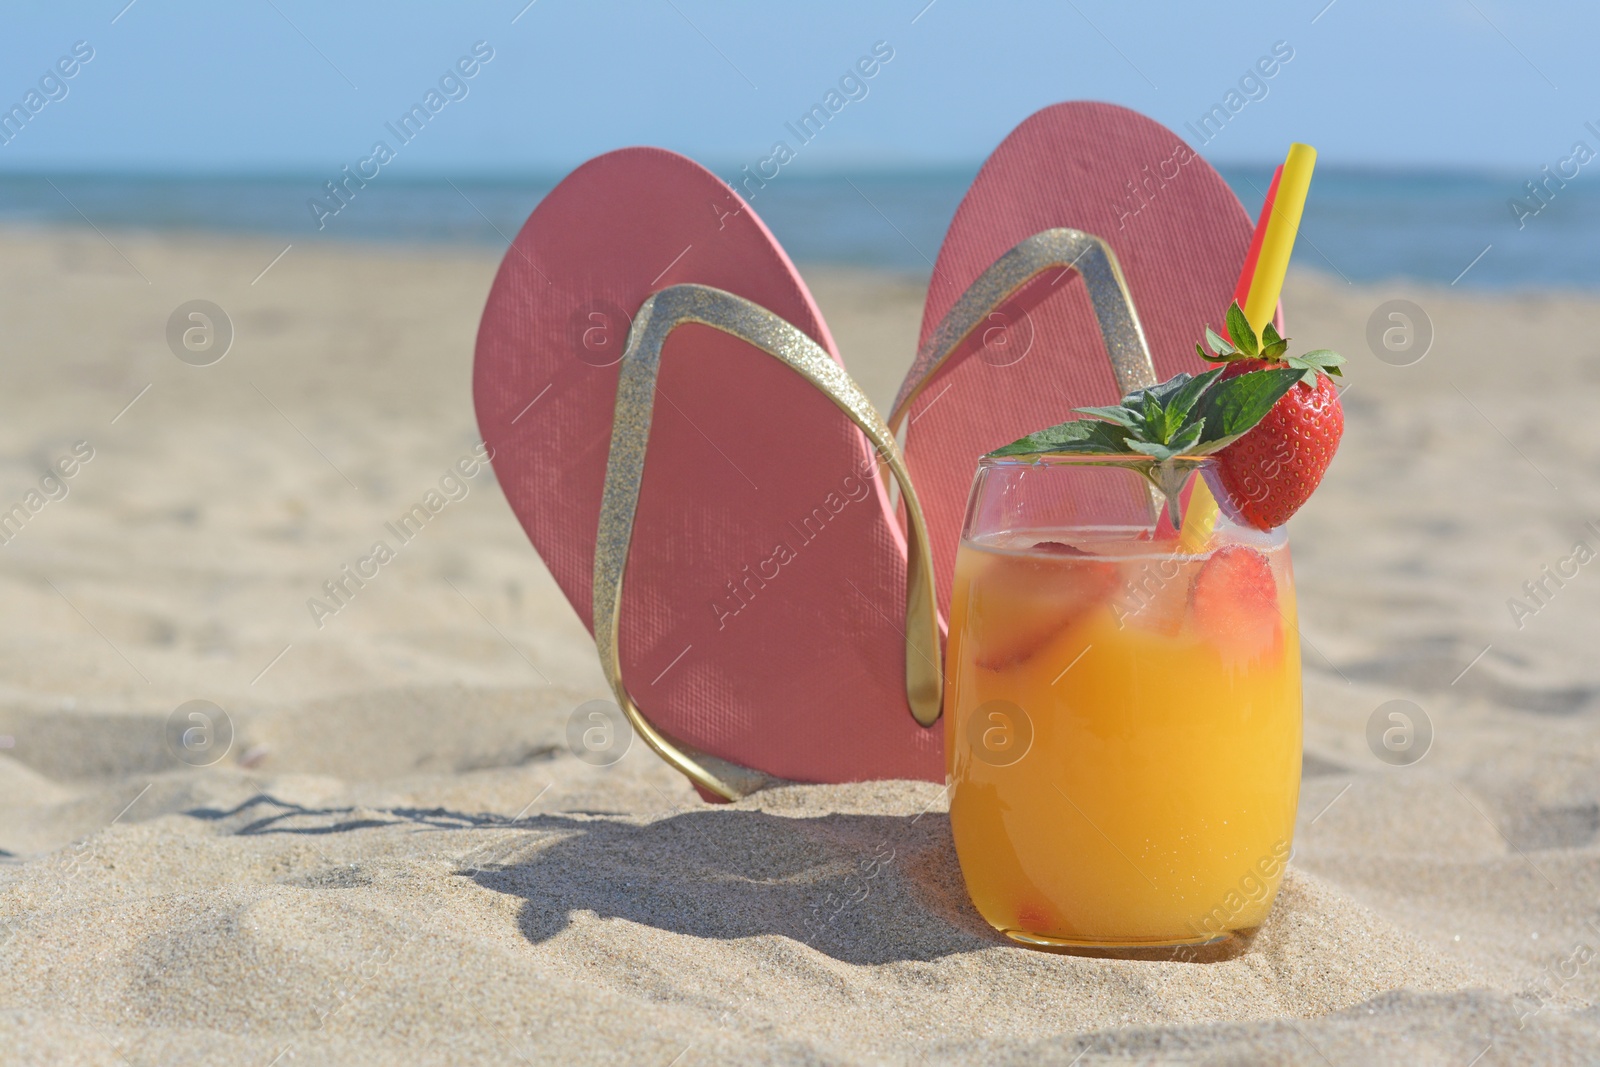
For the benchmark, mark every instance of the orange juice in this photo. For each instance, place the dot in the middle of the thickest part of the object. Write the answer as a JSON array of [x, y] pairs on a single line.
[[1123, 733]]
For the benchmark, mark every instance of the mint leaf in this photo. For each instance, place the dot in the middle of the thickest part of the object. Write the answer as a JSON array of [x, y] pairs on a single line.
[[1162, 392], [1151, 449], [1089, 436], [1157, 409], [1231, 408], [1190, 437], [1152, 408], [1183, 399], [1165, 450], [1115, 413]]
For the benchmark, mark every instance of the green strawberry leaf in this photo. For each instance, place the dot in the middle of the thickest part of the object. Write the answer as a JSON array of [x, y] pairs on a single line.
[[1326, 360], [1270, 335], [1275, 350], [1231, 408], [1321, 360], [1244, 338], [1218, 343]]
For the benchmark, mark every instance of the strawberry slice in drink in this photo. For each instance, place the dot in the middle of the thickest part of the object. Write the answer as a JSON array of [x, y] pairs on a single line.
[[1236, 604], [1022, 602]]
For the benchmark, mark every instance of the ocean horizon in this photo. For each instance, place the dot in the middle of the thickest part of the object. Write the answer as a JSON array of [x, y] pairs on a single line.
[[1443, 226]]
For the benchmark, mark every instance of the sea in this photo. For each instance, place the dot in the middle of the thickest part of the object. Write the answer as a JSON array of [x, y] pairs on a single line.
[[1469, 229]]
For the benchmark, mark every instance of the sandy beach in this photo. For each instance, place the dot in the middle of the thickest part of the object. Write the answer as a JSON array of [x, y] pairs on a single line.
[[399, 860]]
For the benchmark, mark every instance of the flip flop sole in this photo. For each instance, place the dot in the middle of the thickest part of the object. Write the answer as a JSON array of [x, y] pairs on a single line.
[[767, 571], [1178, 232]]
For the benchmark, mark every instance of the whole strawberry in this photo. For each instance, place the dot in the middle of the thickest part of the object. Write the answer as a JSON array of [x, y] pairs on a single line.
[[1274, 468]]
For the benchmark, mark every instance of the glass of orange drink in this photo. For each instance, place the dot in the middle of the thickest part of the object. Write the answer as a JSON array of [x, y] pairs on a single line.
[[1123, 707]]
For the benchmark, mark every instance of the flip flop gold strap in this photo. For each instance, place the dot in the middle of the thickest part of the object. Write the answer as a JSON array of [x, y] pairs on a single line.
[[1075, 250], [662, 313]]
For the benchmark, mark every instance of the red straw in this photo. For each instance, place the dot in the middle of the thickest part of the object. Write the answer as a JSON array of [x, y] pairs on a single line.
[[1241, 291]]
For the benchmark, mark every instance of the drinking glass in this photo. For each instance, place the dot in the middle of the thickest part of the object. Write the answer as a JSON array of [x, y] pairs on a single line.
[[1123, 706]]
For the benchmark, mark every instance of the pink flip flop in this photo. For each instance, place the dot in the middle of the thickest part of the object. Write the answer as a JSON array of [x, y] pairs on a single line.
[[1091, 232], [675, 431]]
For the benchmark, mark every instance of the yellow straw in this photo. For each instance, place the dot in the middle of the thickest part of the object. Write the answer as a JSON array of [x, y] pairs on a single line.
[[1266, 285], [1199, 520], [1273, 264]]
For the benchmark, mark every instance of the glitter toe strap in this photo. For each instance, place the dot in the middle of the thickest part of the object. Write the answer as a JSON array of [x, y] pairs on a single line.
[[1069, 250], [659, 316]]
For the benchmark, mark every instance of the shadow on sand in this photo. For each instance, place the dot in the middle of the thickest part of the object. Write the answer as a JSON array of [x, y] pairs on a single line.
[[860, 888], [863, 889]]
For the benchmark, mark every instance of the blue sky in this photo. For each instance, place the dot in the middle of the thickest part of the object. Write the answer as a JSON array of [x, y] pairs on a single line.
[[298, 86]]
